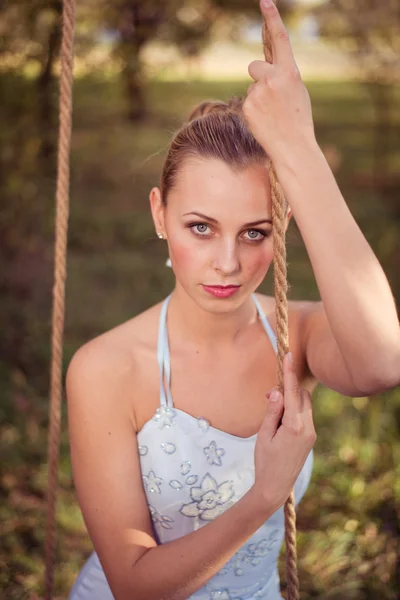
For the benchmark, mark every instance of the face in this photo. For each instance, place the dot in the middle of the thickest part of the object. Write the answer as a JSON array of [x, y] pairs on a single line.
[[219, 231]]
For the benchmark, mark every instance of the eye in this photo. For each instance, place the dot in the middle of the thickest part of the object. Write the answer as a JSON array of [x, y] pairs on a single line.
[[199, 229], [256, 235]]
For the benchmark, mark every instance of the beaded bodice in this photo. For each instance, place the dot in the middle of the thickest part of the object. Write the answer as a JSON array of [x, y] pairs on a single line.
[[193, 472]]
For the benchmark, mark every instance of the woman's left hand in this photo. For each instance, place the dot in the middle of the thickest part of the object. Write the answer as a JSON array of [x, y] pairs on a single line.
[[278, 108]]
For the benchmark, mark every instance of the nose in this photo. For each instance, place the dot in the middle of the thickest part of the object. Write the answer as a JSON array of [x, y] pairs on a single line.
[[226, 260]]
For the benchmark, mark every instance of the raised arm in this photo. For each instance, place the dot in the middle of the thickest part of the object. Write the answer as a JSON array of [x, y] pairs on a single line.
[[353, 336], [108, 481]]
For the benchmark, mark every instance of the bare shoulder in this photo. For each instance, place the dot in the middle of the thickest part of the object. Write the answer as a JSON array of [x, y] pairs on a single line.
[[101, 385], [298, 310], [112, 364], [299, 314]]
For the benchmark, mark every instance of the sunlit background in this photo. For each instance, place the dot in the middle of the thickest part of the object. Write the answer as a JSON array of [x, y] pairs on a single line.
[[140, 68]]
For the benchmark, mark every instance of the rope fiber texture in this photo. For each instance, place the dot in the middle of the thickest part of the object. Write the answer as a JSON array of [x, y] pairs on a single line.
[[61, 230], [279, 208]]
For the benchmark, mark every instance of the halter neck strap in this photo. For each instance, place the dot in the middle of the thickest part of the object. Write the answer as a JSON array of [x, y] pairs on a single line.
[[163, 352]]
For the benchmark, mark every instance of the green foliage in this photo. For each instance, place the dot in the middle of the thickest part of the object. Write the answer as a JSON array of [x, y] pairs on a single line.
[[348, 520]]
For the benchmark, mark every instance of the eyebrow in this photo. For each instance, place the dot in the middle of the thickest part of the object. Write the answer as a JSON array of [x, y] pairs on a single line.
[[216, 222]]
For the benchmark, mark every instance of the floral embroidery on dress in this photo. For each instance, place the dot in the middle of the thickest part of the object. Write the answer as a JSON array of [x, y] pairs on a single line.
[[202, 423], [185, 467], [214, 454], [164, 417], [220, 595], [255, 590], [152, 482], [255, 552], [168, 447], [209, 500], [143, 450], [175, 484], [191, 480], [163, 520], [250, 554]]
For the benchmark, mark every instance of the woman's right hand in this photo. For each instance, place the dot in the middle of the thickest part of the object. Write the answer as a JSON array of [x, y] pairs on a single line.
[[283, 445]]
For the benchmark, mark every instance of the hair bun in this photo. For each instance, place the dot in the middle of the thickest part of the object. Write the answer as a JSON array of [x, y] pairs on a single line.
[[206, 107]]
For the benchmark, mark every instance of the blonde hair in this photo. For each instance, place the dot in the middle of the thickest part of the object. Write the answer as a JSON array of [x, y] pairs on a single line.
[[214, 129]]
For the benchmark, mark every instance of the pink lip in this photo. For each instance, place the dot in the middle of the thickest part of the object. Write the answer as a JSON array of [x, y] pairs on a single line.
[[221, 291]]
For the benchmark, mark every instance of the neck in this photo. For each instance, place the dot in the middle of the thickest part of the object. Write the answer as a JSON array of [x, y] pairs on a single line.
[[196, 325]]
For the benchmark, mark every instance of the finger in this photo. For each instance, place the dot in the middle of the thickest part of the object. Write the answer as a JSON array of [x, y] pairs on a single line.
[[277, 47], [259, 69], [307, 407], [292, 393], [307, 414], [306, 400], [273, 414]]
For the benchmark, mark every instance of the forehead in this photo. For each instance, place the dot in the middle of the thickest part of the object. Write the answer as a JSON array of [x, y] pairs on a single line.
[[210, 186]]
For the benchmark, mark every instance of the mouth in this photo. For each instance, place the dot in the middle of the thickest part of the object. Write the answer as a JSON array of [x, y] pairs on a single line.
[[222, 287], [221, 291]]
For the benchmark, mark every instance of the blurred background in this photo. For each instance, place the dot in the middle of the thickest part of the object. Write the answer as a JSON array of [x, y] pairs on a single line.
[[140, 67]]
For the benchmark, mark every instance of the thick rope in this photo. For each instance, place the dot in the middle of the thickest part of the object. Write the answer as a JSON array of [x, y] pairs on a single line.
[[61, 229], [279, 208]]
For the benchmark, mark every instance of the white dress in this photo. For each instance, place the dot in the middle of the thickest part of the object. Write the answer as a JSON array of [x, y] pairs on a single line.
[[193, 472]]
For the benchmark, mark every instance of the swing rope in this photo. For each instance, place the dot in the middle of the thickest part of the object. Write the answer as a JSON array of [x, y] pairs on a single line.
[[279, 206], [61, 229]]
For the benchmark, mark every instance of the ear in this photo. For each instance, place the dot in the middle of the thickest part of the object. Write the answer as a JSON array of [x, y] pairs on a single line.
[[288, 217], [157, 210]]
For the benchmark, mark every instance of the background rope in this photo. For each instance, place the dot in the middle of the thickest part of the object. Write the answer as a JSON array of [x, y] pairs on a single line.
[[279, 210], [61, 228]]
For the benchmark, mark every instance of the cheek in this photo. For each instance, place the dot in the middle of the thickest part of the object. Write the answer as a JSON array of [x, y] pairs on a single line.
[[259, 260], [185, 256]]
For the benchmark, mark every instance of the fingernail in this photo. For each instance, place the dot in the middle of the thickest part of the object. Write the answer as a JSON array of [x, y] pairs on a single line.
[[267, 3], [274, 396]]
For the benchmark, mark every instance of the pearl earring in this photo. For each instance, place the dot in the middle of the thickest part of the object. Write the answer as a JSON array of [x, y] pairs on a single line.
[[160, 235]]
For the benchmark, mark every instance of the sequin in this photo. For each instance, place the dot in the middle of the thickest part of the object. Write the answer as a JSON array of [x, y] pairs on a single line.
[[143, 450], [191, 480], [209, 500], [214, 454], [168, 447], [164, 417], [185, 467], [238, 572], [176, 485], [152, 482], [202, 423]]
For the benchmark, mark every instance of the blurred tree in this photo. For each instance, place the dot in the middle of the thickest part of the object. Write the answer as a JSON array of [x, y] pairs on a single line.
[[30, 35], [369, 32], [182, 23], [136, 23]]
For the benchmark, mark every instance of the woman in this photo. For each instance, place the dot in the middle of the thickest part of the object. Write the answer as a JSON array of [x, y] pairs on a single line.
[[180, 464]]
